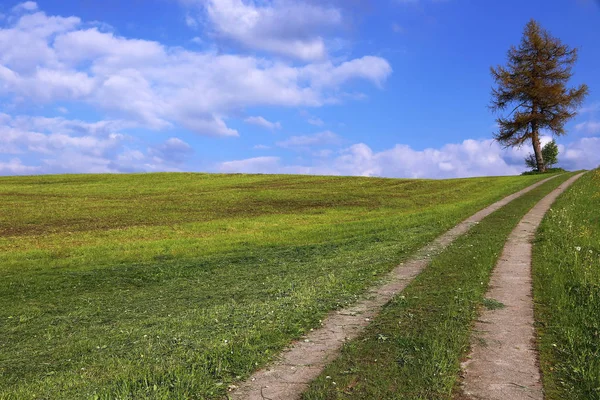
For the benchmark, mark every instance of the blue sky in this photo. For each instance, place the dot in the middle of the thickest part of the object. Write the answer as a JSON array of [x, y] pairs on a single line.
[[394, 88]]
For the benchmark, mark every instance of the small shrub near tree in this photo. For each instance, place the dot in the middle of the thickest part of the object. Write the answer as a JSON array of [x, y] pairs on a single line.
[[549, 155]]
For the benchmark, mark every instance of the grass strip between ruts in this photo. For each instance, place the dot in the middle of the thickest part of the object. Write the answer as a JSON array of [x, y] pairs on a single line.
[[413, 349], [566, 273]]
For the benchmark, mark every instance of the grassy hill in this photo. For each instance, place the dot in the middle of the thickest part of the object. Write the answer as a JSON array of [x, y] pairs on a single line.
[[175, 285]]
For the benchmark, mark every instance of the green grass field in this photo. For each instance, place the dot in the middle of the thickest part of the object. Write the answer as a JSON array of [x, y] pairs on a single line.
[[175, 285], [566, 270]]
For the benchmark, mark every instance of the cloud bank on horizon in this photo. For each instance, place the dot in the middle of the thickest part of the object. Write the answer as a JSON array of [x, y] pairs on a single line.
[[78, 97]]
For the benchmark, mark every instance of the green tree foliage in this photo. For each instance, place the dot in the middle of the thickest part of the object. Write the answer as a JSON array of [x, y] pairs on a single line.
[[534, 83], [549, 154]]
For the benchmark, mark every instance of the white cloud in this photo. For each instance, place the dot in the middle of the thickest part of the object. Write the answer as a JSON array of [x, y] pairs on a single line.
[[65, 126], [311, 119], [173, 151], [261, 147], [106, 50], [588, 127], [467, 159], [50, 136], [24, 46], [315, 121], [590, 108], [47, 58], [268, 165], [281, 27], [70, 160], [325, 138], [262, 122], [15, 167], [26, 6], [59, 145], [251, 165], [204, 123], [374, 69], [581, 154], [323, 153], [191, 21]]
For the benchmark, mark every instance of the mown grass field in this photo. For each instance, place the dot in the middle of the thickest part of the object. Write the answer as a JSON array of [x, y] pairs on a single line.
[[566, 271], [413, 348], [175, 285]]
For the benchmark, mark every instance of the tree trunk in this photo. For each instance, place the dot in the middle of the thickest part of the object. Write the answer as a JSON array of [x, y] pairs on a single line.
[[537, 150], [535, 139]]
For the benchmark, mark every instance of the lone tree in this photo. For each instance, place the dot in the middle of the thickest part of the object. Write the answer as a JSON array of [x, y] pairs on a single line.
[[549, 154], [534, 83]]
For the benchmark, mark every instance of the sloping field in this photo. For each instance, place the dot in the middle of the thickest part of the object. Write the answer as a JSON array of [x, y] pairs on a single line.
[[175, 285]]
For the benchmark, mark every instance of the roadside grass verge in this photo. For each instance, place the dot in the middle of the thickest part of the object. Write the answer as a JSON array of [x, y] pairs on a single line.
[[413, 348], [166, 286], [566, 272]]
